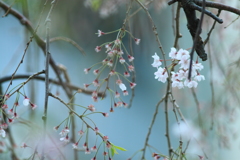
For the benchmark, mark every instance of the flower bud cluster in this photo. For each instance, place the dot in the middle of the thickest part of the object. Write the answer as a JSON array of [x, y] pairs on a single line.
[[116, 55]]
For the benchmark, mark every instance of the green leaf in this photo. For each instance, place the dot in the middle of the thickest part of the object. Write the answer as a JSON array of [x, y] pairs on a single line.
[[114, 149], [120, 148]]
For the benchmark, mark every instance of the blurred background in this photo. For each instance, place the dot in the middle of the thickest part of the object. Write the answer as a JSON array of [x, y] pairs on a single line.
[[213, 113]]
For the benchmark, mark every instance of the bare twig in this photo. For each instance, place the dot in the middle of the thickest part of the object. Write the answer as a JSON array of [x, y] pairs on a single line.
[[155, 33], [47, 53], [218, 6], [150, 127], [69, 41], [209, 33], [198, 107], [39, 41]]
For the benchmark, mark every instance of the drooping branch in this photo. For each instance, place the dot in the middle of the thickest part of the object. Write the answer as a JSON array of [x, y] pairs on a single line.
[[70, 86], [40, 42]]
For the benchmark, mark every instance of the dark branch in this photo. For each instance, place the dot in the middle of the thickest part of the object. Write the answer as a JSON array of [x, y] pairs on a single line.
[[24, 21], [219, 6], [70, 86]]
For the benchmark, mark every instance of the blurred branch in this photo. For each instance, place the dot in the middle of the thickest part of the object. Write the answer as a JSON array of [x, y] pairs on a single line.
[[177, 35], [198, 107], [218, 6], [209, 33], [24, 21], [70, 86], [69, 41]]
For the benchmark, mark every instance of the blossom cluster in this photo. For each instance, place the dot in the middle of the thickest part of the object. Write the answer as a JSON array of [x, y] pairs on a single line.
[[116, 55], [180, 78]]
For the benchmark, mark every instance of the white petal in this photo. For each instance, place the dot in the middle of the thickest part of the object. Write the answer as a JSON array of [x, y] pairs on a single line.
[[122, 86]]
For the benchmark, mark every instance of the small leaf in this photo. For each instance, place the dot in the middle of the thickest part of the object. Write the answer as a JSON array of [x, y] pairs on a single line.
[[113, 151], [120, 148]]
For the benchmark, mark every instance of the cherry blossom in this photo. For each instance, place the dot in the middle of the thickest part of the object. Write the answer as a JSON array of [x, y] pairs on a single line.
[[100, 33], [94, 148], [117, 42], [156, 61], [26, 101], [184, 62], [178, 84], [132, 85], [81, 132], [173, 53], [91, 107], [120, 52], [121, 60], [190, 84], [65, 139], [137, 41], [130, 68], [130, 58], [108, 47], [105, 114], [75, 145], [161, 75], [34, 106], [182, 53], [125, 92], [95, 83], [117, 94], [96, 129], [96, 71], [122, 86], [126, 74], [180, 77], [2, 132], [98, 49], [199, 77], [64, 132], [87, 151]]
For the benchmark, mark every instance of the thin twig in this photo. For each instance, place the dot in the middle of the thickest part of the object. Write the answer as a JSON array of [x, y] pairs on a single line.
[[21, 61], [133, 73], [232, 22], [209, 33], [150, 127], [198, 107], [212, 88], [48, 55], [218, 6], [39, 41], [155, 33], [68, 40], [167, 119]]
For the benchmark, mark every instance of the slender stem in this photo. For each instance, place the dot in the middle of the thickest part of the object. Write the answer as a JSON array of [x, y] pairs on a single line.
[[47, 61], [150, 127], [198, 107], [40, 42], [167, 119], [209, 33]]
